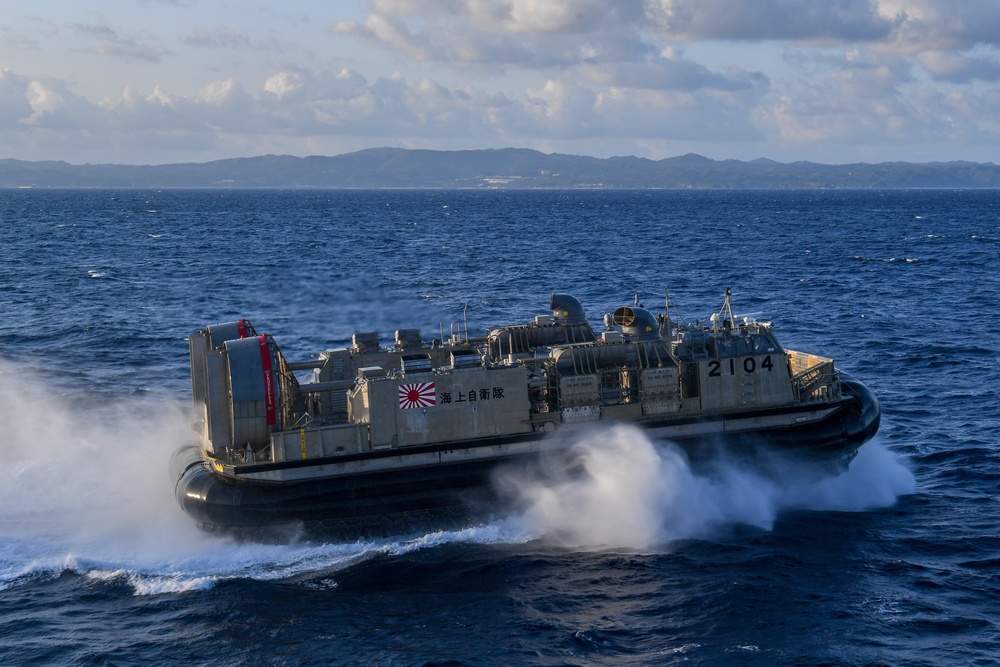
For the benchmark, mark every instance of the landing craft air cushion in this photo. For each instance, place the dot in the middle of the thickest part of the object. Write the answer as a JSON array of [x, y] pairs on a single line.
[[415, 429]]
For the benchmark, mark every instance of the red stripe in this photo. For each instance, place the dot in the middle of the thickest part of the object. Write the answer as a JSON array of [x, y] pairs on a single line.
[[265, 362], [241, 327]]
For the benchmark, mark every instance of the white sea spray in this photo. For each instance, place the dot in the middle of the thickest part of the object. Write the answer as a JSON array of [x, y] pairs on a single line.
[[617, 488]]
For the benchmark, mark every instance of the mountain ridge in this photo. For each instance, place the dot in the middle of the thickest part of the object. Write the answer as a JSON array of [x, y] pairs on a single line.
[[510, 168]]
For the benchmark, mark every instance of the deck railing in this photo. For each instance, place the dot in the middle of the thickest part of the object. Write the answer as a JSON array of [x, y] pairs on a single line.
[[814, 378]]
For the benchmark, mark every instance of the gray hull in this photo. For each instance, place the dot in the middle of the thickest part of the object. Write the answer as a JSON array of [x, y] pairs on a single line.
[[400, 497], [383, 435]]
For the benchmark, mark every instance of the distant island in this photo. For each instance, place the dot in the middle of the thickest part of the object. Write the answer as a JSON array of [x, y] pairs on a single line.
[[508, 168]]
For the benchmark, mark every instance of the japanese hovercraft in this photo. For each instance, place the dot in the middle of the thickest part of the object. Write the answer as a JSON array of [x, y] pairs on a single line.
[[415, 427]]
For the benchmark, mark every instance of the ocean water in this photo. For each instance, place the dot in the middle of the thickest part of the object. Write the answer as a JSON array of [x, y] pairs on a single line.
[[651, 562]]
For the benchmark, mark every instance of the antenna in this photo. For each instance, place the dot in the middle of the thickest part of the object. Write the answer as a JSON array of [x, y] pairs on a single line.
[[666, 311], [727, 309]]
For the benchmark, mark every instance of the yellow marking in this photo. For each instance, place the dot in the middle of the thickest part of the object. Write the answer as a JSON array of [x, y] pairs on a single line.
[[302, 434]]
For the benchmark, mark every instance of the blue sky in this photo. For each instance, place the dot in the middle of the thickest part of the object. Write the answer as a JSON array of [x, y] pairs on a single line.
[[831, 81]]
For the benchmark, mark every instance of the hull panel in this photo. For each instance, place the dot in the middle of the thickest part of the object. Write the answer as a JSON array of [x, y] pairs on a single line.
[[367, 497]]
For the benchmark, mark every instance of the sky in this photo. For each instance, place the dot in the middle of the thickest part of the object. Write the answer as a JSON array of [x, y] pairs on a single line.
[[829, 81]]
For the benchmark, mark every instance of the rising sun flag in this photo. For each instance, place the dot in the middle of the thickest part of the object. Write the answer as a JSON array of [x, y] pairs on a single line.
[[417, 395]]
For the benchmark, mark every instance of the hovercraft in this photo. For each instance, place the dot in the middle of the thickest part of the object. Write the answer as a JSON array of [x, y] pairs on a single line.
[[377, 434]]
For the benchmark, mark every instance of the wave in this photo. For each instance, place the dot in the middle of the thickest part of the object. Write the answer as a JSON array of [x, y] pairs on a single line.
[[84, 488]]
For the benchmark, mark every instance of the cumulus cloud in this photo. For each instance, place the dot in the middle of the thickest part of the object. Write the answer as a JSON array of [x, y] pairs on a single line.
[[14, 104], [308, 104], [284, 84], [40, 103], [527, 33], [523, 17], [647, 77], [302, 85], [507, 30], [910, 24], [44, 101]]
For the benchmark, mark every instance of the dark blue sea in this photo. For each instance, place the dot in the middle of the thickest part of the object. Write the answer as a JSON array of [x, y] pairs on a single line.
[[894, 562]]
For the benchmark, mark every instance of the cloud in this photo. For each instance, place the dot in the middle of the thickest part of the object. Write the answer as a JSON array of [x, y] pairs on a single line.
[[221, 106], [110, 43], [221, 38], [44, 101], [508, 29], [15, 106], [669, 71], [524, 33], [389, 32], [28, 35], [776, 78], [229, 38], [959, 68], [793, 20], [941, 24], [860, 100], [308, 106], [284, 84], [541, 34], [517, 17], [303, 111], [41, 103]]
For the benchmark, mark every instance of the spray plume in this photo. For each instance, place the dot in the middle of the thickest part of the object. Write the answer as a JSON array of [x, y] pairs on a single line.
[[617, 488]]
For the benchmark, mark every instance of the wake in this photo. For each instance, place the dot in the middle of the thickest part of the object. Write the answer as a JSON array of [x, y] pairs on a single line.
[[624, 490], [84, 488]]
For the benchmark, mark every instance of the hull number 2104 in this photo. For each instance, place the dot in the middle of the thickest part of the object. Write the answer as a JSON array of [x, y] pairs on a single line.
[[716, 366]]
